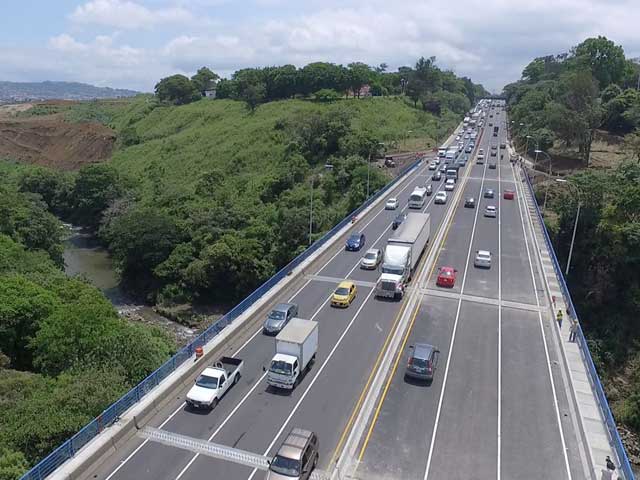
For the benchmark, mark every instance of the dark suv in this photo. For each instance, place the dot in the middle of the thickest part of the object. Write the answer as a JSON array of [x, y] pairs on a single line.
[[422, 362]]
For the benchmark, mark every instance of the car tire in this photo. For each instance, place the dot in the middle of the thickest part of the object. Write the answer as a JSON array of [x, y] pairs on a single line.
[[214, 404], [236, 379]]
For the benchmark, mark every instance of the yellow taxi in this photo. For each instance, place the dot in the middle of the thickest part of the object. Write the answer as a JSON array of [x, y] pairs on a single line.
[[344, 294]]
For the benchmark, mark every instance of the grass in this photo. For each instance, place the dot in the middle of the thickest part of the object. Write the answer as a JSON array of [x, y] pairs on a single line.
[[184, 141]]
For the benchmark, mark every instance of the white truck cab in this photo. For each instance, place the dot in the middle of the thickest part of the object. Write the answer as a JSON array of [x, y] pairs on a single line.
[[213, 382]]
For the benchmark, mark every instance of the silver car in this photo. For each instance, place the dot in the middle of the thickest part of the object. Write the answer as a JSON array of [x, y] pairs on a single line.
[[483, 259], [279, 317], [490, 211], [296, 458], [371, 259]]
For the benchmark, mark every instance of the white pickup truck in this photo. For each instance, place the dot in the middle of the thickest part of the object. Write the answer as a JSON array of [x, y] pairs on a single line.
[[214, 382]]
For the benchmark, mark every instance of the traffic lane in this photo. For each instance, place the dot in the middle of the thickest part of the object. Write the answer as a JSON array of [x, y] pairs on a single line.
[[401, 436], [456, 242], [324, 408], [341, 264], [466, 443], [531, 446], [436, 214], [515, 261], [200, 423], [483, 282]]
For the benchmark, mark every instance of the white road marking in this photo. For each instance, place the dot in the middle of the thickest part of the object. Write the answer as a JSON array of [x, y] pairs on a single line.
[[313, 381], [499, 462], [453, 336], [521, 199]]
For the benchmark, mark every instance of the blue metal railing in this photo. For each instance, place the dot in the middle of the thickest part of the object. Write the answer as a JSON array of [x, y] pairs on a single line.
[[625, 466], [69, 448]]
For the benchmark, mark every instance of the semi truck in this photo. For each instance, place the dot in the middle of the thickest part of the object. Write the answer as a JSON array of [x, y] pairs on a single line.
[[214, 381], [401, 255], [296, 347]]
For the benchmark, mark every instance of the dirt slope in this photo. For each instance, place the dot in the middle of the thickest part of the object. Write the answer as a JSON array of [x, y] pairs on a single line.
[[51, 141]]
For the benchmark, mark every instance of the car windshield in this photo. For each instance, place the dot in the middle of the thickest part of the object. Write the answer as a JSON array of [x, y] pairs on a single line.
[[279, 366], [354, 238], [285, 466], [392, 270], [446, 273], [370, 256], [342, 291], [276, 315], [205, 381]]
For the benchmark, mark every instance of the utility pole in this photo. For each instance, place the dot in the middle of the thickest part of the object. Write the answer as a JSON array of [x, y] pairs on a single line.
[[311, 212]]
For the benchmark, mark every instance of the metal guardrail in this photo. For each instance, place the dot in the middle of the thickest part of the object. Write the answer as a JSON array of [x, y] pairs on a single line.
[[69, 448], [625, 466]]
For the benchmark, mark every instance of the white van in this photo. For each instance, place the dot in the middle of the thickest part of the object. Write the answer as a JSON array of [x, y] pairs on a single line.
[[418, 197]]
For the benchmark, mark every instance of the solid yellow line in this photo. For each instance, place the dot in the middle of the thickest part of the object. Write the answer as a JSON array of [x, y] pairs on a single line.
[[369, 380], [389, 380]]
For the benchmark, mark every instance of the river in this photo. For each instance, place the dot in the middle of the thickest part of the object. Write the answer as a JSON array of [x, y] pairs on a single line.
[[84, 256]]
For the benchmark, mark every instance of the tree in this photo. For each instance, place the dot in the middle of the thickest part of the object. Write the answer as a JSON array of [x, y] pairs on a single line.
[[204, 79], [96, 187], [326, 95], [604, 58], [253, 95], [176, 89], [12, 464], [358, 75], [632, 145], [281, 82], [534, 71], [140, 240], [23, 306]]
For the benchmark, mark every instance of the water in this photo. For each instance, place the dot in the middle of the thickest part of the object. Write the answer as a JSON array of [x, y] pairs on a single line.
[[84, 256]]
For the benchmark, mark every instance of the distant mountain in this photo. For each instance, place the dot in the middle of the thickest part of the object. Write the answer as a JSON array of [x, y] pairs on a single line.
[[19, 92]]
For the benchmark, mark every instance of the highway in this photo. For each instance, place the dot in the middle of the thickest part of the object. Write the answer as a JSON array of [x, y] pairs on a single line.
[[497, 406], [255, 418]]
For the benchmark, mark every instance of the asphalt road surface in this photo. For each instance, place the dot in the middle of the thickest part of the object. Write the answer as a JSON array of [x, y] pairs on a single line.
[[256, 418], [497, 406]]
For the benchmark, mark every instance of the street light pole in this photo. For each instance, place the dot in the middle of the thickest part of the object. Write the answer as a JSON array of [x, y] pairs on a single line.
[[575, 224], [311, 212], [546, 192]]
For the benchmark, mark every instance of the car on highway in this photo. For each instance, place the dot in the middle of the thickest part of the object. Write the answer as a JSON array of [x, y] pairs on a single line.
[[494, 146], [446, 277], [432, 166], [437, 160], [469, 149], [481, 151], [491, 123], [213, 383], [437, 176], [279, 317], [490, 211], [480, 159], [441, 198], [422, 362], [296, 458], [457, 138], [344, 294], [489, 193], [443, 168], [509, 194], [503, 146], [371, 259], [482, 259], [429, 190], [493, 153], [449, 185], [470, 202], [466, 136], [355, 242], [492, 165], [401, 217], [391, 204]]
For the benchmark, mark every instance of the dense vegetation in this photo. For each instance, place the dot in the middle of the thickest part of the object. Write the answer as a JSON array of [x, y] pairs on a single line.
[[64, 353], [563, 99], [202, 201]]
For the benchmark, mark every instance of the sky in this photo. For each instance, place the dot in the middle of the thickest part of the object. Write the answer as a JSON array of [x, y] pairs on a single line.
[[134, 43]]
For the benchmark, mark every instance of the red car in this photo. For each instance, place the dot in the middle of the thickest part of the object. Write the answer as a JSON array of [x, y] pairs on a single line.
[[446, 277], [509, 194]]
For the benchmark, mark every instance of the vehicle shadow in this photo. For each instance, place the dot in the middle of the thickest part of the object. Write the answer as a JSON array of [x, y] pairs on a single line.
[[417, 382], [281, 392]]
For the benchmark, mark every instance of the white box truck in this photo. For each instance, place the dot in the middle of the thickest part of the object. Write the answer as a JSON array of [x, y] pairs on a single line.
[[401, 255], [296, 347]]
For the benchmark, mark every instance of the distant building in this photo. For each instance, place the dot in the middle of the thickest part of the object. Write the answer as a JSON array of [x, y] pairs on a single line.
[[210, 93], [365, 91]]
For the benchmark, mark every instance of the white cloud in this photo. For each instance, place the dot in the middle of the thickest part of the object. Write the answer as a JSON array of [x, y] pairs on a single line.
[[126, 14], [488, 40]]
